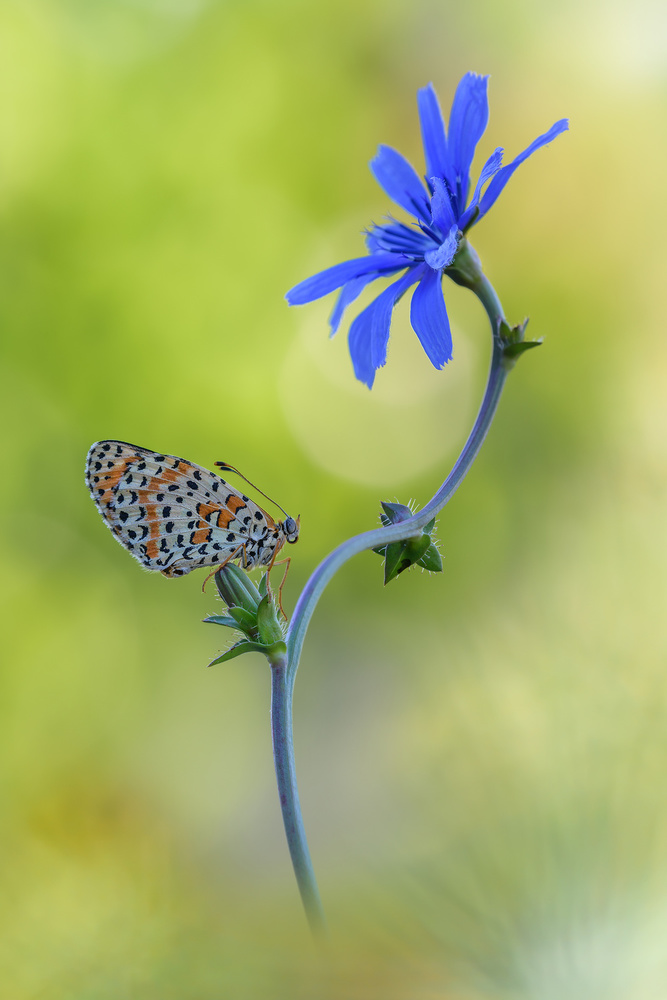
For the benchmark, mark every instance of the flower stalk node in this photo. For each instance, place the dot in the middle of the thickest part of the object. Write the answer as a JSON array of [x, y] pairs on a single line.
[[512, 343], [416, 550], [252, 611], [466, 268]]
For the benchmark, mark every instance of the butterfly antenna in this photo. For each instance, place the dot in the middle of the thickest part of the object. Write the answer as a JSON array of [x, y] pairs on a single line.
[[230, 468]]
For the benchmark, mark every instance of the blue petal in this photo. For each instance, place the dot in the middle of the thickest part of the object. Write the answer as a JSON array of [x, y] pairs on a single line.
[[467, 121], [442, 215], [348, 294], [335, 277], [503, 175], [446, 252], [401, 182], [369, 332], [433, 134], [491, 167], [397, 238], [429, 320]]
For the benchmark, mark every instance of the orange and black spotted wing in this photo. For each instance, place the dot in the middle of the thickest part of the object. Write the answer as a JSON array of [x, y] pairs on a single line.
[[175, 516]]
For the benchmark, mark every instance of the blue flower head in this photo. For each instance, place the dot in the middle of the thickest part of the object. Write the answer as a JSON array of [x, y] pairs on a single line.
[[443, 212]]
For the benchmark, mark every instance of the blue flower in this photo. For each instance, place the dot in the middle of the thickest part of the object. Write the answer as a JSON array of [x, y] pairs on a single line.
[[422, 250]]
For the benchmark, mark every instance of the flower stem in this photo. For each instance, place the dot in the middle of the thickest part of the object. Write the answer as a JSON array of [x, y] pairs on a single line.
[[283, 755], [284, 668], [412, 526]]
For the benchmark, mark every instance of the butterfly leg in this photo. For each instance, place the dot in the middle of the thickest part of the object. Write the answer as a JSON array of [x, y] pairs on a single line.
[[229, 558], [281, 562]]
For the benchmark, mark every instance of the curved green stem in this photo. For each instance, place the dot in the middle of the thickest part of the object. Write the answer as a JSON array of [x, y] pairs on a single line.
[[412, 526], [284, 670], [283, 756]]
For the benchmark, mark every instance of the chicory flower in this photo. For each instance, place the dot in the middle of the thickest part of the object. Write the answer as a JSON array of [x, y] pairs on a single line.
[[443, 213]]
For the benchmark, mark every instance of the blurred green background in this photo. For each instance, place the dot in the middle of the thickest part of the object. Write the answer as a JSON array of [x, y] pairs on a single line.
[[483, 754]]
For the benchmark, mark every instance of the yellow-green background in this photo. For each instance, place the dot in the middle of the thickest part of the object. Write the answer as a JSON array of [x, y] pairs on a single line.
[[483, 754]]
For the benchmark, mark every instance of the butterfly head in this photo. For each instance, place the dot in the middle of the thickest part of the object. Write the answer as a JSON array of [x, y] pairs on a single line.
[[291, 529]]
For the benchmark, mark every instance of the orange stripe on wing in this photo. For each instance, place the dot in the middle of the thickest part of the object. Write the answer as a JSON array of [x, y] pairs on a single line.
[[153, 520], [152, 549], [205, 509], [175, 475], [112, 478], [223, 519], [235, 503], [203, 535]]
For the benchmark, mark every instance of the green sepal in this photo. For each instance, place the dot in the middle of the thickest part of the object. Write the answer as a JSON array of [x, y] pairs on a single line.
[[431, 560], [264, 585], [268, 625], [247, 647], [221, 620], [393, 555], [513, 343], [394, 513], [246, 621], [236, 650], [513, 351], [418, 550], [466, 268], [512, 334], [401, 555], [416, 547]]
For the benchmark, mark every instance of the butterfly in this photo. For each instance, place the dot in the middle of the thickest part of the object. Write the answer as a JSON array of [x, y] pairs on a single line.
[[174, 516]]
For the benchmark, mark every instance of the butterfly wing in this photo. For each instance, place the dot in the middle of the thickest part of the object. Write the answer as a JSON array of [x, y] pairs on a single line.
[[173, 516]]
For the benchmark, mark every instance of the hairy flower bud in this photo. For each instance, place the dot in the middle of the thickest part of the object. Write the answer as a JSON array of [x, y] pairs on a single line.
[[251, 611]]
